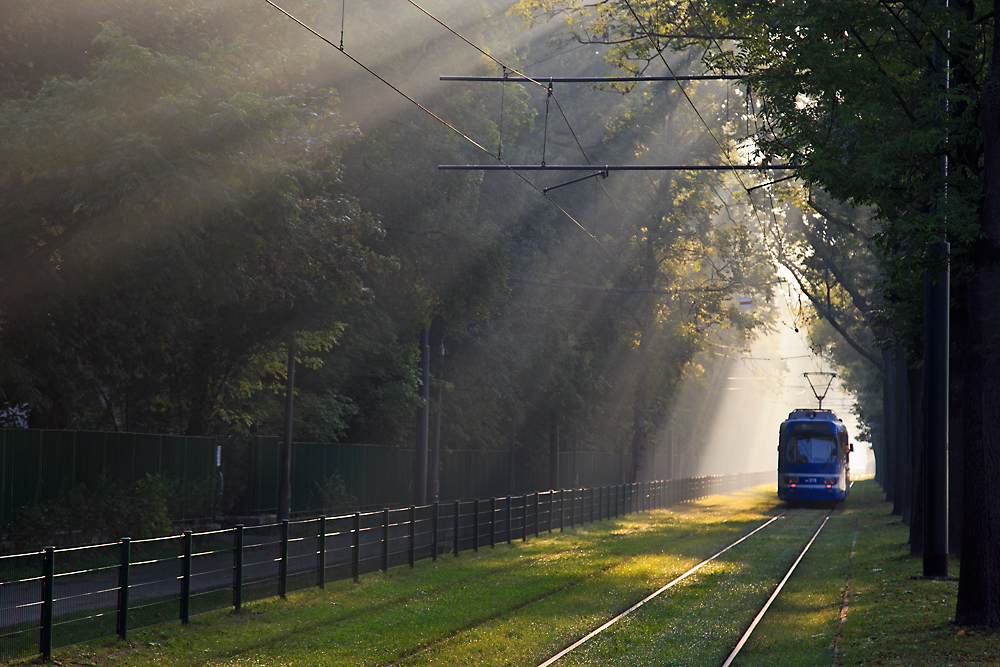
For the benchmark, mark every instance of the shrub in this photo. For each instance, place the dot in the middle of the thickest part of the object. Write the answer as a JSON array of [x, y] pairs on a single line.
[[105, 514], [333, 496]]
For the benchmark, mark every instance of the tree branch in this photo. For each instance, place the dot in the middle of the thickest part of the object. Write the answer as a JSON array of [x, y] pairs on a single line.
[[873, 358]]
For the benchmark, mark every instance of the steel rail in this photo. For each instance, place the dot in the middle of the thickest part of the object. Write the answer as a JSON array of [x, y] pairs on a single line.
[[774, 595], [654, 594]]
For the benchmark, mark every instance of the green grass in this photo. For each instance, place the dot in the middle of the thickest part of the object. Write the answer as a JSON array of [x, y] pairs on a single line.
[[519, 604]]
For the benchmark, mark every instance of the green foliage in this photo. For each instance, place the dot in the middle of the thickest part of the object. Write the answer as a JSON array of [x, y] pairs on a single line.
[[192, 193], [173, 220], [86, 516], [334, 497]]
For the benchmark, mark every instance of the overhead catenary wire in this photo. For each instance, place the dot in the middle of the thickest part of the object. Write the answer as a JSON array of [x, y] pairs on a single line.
[[776, 256], [438, 118], [694, 107], [549, 94]]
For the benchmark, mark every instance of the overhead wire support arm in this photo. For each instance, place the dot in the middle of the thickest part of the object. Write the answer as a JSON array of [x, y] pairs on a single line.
[[597, 79], [603, 174], [610, 167]]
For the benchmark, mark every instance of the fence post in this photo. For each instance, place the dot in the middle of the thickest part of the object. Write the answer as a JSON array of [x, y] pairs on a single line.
[[238, 570], [458, 508], [524, 517], [48, 595], [283, 561], [413, 535], [510, 519], [356, 547], [435, 515], [186, 579], [493, 522], [562, 510], [321, 564], [123, 571], [538, 512], [385, 539], [475, 525], [552, 494]]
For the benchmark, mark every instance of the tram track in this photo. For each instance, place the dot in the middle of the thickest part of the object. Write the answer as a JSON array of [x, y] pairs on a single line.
[[578, 649], [583, 640], [607, 569]]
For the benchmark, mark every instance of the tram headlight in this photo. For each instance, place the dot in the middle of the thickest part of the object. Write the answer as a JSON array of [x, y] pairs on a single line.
[[791, 479], [830, 481]]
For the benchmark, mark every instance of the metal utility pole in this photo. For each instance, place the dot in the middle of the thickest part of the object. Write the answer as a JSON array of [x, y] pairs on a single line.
[[436, 456], [285, 464], [420, 451]]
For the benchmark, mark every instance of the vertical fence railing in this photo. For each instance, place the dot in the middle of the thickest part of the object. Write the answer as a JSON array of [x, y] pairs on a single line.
[[435, 518], [123, 588], [186, 578], [412, 555], [145, 567], [238, 569], [321, 554]]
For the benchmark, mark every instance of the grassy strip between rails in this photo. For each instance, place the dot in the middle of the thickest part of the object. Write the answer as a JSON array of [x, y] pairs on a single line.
[[516, 605], [414, 615]]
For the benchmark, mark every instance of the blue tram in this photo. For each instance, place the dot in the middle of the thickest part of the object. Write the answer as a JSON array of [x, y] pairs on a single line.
[[813, 457]]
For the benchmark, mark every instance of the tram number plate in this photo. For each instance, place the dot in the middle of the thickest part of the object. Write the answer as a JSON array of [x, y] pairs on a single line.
[[810, 480]]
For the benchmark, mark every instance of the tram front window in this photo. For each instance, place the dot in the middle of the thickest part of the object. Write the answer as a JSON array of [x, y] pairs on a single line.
[[812, 450]]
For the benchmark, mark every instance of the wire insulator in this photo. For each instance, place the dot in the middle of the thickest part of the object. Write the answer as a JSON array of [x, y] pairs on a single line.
[[343, 12]]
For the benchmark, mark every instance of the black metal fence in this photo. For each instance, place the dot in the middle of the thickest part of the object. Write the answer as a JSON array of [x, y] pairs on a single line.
[[60, 597]]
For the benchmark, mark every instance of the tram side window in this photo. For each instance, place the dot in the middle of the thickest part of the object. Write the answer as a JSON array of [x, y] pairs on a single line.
[[812, 450]]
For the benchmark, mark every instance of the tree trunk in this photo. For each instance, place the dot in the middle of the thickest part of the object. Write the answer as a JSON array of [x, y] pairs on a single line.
[[511, 455], [576, 456], [979, 585], [554, 450], [639, 426], [918, 457], [901, 499], [956, 415], [886, 466]]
